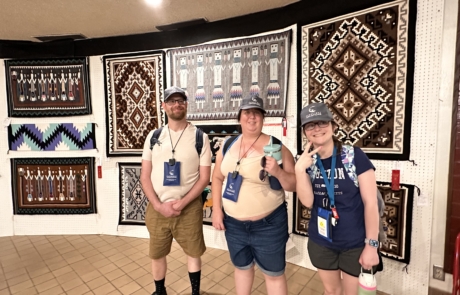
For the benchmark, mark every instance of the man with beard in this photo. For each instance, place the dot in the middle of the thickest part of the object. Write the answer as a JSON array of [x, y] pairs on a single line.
[[173, 176]]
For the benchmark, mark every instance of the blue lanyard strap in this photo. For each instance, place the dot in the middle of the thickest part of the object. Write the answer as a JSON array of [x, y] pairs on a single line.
[[329, 182]]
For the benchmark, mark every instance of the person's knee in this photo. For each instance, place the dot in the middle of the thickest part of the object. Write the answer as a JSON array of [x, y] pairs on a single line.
[[331, 290]]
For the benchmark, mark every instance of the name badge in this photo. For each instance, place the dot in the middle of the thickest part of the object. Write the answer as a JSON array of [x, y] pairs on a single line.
[[232, 189], [171, 174], [325, 223]]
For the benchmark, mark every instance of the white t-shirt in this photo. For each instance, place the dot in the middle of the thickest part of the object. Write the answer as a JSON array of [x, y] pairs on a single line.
[[185, 153]]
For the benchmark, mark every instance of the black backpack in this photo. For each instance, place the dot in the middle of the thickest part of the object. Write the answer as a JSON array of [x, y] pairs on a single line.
[[198, 139]]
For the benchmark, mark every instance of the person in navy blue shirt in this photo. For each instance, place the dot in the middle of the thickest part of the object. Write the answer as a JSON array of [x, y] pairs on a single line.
[[344, 225]]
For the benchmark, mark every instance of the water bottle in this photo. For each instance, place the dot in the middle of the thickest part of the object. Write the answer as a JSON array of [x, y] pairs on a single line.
[[274, 150], [367, 284]]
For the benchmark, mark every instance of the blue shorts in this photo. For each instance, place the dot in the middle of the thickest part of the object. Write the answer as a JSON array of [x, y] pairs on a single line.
[[262, 241]]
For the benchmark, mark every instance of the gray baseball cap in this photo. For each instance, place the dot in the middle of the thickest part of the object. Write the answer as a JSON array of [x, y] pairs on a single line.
[[252, 102], [315, 112], [174, 90]]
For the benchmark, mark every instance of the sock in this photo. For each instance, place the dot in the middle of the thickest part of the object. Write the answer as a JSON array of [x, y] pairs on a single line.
[[195, 280], [160, 287]]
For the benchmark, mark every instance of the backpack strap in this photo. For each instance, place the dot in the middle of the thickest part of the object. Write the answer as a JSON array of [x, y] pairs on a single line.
[[228, 143], [155, 136], [198, 141], [348, 161]]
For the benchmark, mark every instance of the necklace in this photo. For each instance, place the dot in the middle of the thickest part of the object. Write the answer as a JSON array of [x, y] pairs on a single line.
[[239, 161], [174, 146]]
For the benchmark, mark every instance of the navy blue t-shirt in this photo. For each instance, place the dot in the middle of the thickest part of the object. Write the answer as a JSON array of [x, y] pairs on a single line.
[[350, 231]]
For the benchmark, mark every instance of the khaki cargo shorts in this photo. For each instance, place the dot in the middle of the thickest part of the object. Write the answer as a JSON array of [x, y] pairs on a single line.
[[186, 229]]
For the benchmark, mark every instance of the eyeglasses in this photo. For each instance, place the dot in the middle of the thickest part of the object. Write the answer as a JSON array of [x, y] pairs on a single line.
[[172, 102], [311, 126], [262, 173]]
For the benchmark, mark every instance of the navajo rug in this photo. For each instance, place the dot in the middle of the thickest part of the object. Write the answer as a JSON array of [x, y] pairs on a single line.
[[50, 87], [134, 90], [218, 134], [361, 66], [53, 186], [133, 202], [397, 220], [51, 137], [218, 76]]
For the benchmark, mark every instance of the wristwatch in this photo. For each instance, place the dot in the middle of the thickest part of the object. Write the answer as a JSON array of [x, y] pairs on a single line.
[[372, 243]]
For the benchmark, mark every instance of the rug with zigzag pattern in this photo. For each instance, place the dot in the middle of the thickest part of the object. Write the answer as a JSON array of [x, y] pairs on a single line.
[[51, 137]]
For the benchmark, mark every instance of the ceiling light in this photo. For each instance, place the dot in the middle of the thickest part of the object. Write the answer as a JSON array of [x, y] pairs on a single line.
[[153, 2]]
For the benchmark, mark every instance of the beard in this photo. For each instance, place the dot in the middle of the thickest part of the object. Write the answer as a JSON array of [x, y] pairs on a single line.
[[176, 115]]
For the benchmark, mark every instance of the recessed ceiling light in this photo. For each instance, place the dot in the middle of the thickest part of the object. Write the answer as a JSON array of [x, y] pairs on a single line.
[[154, 2]]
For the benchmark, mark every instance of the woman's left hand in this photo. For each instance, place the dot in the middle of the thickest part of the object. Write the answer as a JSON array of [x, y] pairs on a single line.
[[271, 166], [369, 257]]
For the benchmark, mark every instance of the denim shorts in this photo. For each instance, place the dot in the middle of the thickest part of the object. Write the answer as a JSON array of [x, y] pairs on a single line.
[[262, 241]]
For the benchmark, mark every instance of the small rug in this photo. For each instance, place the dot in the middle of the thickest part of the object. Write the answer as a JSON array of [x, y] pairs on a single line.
[[51, 137], [218, 134], [397, 220], [133, 201], [48, 87], [53, 186]]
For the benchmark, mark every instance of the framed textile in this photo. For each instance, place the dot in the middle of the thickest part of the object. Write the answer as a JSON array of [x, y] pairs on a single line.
[[48, 87], [361, 66], [51, 137], [53, 186], [218, 134], [133, 201], [217, 76], [134, 90], [397, 220]]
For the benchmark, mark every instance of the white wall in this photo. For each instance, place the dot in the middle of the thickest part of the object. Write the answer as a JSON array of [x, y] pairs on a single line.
[[433, 87]]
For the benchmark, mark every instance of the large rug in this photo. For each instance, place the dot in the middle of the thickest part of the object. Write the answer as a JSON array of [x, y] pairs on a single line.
[[134, 90], [51, 137], [217, 76], [397, 220], [133, 201], [53, 186], [49, 87], [361, 66]]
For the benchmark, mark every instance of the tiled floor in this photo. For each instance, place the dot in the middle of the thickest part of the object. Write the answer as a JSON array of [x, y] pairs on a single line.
[[97, 264]]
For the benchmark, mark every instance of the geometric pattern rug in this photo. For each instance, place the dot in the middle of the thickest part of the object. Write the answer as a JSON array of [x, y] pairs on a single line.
[[134, 91], [217, 76], [361, 66], [133, 201], [48, 87], [51, 137], [397, 220], [53, 186]]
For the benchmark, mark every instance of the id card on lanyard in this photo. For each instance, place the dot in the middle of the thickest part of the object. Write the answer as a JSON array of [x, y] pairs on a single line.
[[327, 217]]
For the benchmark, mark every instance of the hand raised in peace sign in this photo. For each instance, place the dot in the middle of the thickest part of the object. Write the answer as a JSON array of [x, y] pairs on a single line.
[[305, 160]]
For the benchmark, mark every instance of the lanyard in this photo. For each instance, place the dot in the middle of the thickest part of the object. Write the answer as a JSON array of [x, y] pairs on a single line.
[[329, 182], [172, 161], [235, 172]]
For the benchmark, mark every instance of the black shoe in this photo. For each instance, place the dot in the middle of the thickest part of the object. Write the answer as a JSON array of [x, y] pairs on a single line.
[[158, 293]]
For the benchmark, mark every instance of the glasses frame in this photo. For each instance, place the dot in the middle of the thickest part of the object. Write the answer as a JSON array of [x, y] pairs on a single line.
[[172, 102], [311, 126]]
